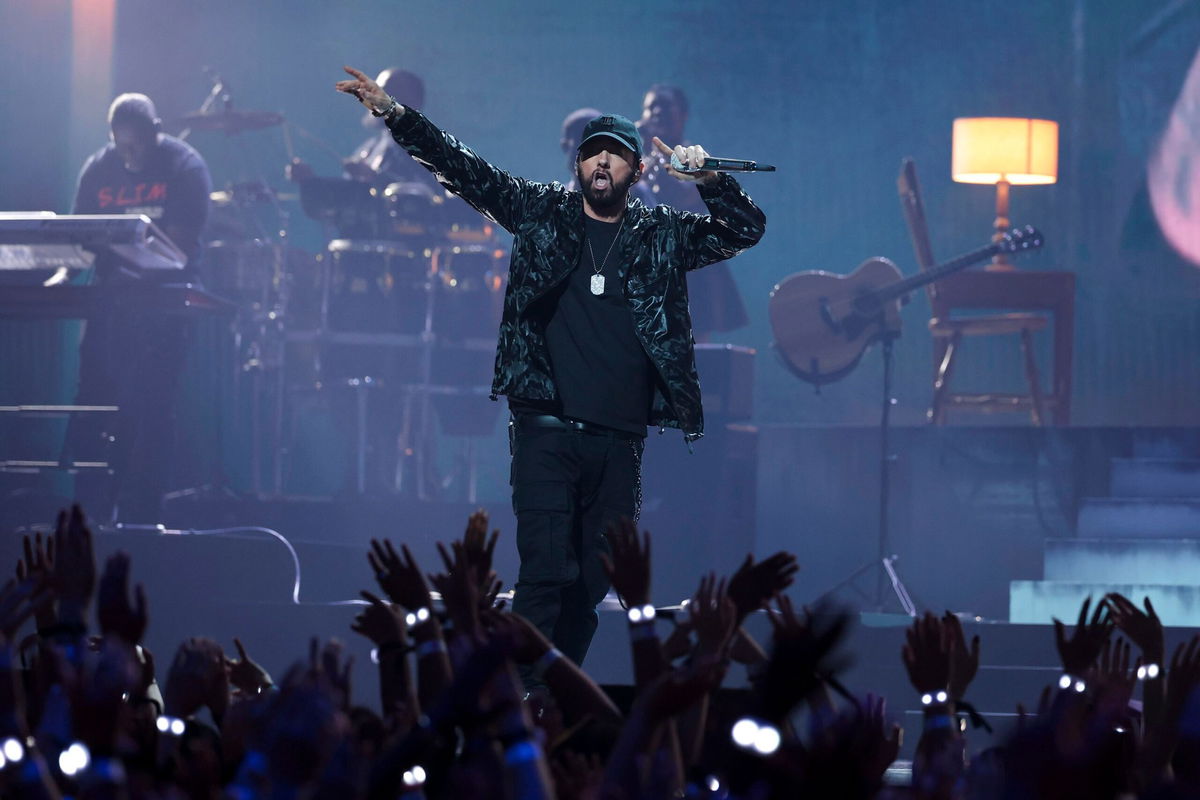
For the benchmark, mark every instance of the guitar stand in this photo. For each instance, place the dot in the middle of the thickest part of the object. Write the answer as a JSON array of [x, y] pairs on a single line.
[[884, 562]]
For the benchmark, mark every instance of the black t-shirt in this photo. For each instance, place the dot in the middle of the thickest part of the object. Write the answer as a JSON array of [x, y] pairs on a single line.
[[173, 190], [600, 368]]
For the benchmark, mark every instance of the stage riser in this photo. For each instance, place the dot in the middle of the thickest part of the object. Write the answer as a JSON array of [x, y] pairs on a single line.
[[1033, 602], [1131, 518], [1155, 477], [1152, 561]]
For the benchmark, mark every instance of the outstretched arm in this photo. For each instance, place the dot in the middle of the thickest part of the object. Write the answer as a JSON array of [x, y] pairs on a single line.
[[492, 191]]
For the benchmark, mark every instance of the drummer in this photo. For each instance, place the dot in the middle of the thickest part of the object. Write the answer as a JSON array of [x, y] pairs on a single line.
[[379, 160]]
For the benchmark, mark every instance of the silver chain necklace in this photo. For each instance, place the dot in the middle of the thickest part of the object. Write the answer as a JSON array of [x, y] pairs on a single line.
[[597, 285]]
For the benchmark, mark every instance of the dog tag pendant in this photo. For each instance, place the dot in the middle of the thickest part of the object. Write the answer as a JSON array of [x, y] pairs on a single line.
[[597, 284]]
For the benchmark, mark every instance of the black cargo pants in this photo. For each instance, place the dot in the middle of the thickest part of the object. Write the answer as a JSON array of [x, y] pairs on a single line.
[[569, 481]]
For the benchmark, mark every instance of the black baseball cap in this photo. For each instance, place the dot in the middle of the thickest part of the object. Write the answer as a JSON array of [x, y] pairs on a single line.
[[614, 126]]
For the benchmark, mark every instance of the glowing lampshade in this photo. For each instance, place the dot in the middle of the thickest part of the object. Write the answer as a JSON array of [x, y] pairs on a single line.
[[994, 149]]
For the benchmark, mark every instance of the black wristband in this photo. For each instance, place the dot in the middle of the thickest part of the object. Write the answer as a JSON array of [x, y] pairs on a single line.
[[394, 647], [63, 629]]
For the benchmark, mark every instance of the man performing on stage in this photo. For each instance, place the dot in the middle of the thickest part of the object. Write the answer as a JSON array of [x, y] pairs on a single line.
[[595, 343]]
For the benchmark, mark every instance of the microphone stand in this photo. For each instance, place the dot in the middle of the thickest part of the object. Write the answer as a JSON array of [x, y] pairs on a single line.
[[884, 561]]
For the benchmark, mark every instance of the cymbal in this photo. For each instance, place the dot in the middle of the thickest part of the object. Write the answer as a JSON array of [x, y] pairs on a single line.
[[230, 121]]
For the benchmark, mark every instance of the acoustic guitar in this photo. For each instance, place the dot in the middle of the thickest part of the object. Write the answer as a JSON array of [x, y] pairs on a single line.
[[824, 322]]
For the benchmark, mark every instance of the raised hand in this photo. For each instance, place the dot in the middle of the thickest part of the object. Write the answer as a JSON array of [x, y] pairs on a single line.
[[399, 578], [803, 656], [74, 577], [197, 678], [1079, 652], [1143, 628], [460, 592], [679, 689], [20, 600], [1183, 677], [691, 157], [246, 676], [364, 89], [326, 663], [928, 655], [629, 566], [965, 661], [380, 622], [477, 553], [116, 615], [529, 644], [478, 547], [38, 562], [1115, 676], [713, 616], [754, 584]]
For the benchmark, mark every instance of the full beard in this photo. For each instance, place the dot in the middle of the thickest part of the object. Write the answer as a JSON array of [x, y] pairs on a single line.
[[610, 198]]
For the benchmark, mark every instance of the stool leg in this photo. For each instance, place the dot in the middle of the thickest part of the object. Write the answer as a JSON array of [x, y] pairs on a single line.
[[941, 384], [1031, 374]]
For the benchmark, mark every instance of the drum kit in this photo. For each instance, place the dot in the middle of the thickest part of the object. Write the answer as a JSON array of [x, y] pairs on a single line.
[[387, 330]]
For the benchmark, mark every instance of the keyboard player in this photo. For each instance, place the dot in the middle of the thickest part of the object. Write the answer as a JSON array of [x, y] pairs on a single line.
[[134, 360]]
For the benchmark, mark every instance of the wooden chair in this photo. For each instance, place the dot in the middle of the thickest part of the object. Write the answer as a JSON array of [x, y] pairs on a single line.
[[968, 289]]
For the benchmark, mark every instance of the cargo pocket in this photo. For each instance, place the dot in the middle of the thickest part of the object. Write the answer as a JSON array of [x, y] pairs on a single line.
[[543, 511]]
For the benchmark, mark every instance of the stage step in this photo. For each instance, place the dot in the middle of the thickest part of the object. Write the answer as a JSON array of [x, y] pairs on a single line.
[[1155, 477], [1166, 443], [1167, 562], [1139, 518], [1037, 602]]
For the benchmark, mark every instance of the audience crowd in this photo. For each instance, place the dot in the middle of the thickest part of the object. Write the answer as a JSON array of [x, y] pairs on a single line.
[[84, 712]]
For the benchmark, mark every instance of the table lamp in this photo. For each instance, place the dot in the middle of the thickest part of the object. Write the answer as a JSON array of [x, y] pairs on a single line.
[[1005, 151]]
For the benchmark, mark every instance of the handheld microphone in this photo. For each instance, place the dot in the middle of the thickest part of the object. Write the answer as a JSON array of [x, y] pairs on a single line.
[[723, 165]]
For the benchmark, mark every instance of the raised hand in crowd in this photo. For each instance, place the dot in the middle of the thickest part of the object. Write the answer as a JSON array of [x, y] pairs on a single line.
[[713, 617], [1114, 676], [1143, 628], [330, 665], [755, 583], [20, 600], [38, 562], [74, 576], [1079, 652], [629, 565], [668, 696], [964, 659], [848, 755], [197, 679], [574, 692], [460, 590], [928, 655], [116, 615], [399, 577], [246, 677], [384, 624], [804, 654], [478, 549]]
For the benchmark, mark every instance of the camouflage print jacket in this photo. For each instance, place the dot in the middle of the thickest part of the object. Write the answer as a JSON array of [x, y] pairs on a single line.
[[656, 249]]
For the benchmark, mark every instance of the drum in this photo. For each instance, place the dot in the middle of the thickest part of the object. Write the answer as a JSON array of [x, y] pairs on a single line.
[[376, 286], [248, 273], [463, 224], [415, 212], [469, 283]]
